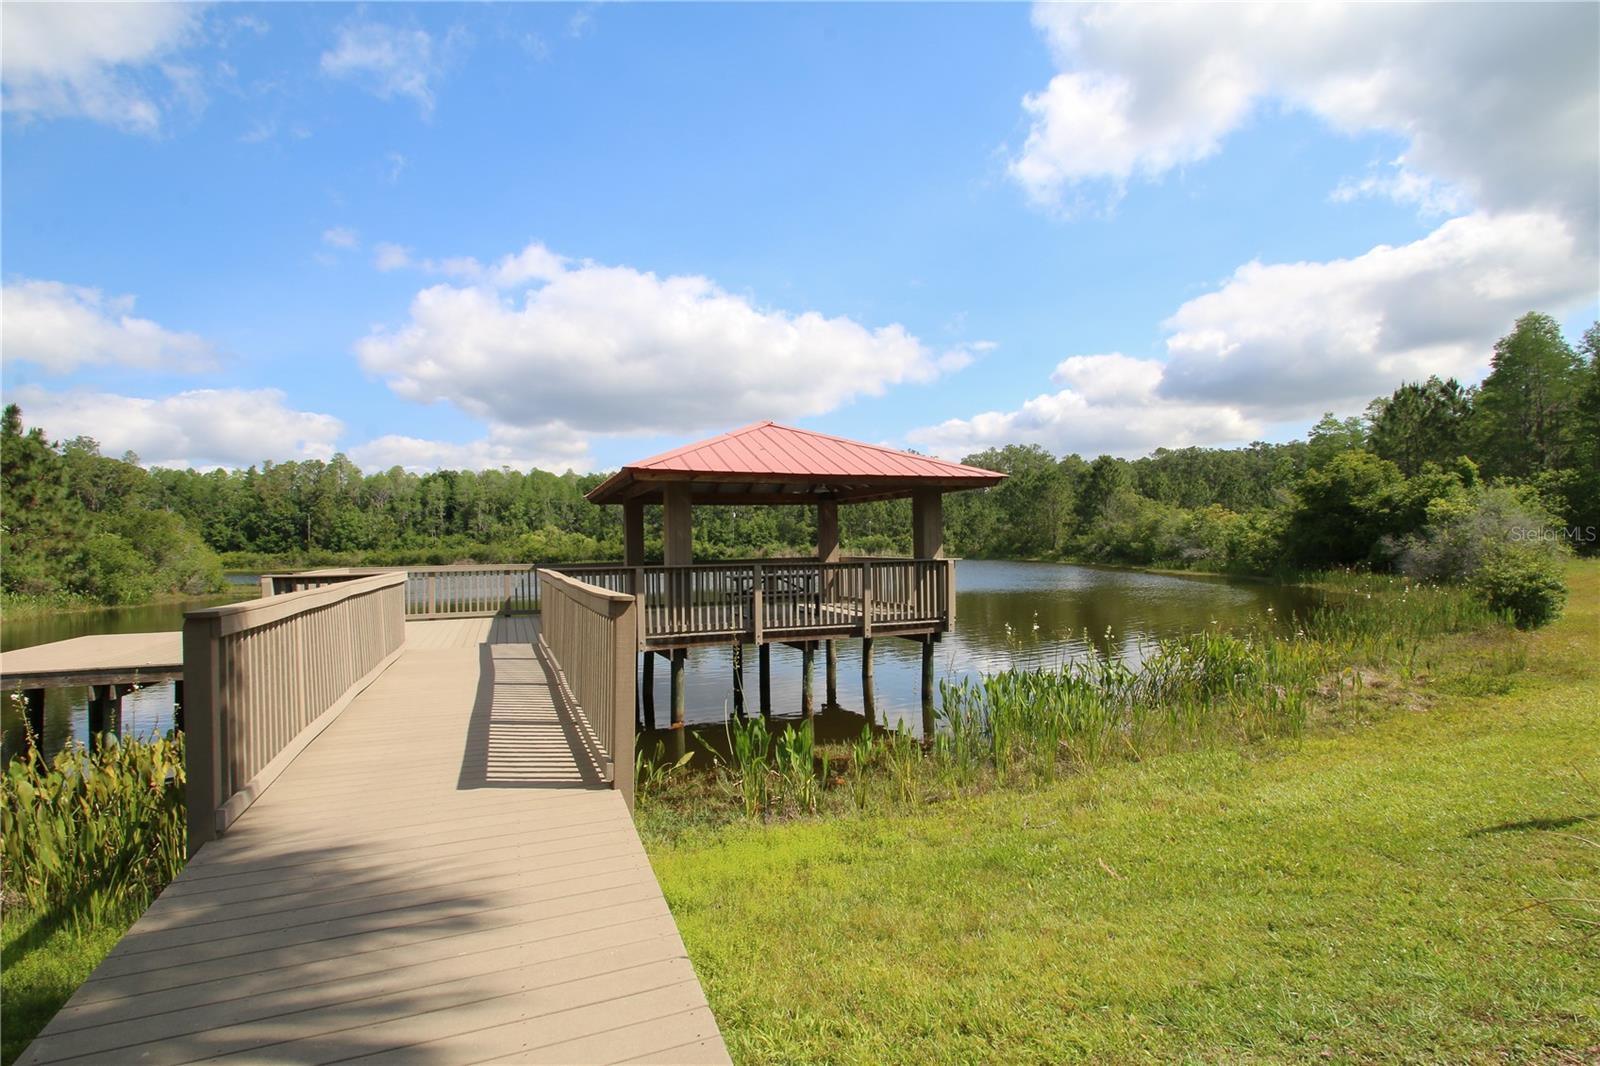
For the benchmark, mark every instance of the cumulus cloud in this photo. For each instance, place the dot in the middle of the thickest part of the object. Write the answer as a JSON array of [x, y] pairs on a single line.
[[1497, 100], [388, 61], [1295, 339], [555, 448], [203, 428], [1112, 404], [1284, 342], [534, 340], [63, 327], [109, 63]]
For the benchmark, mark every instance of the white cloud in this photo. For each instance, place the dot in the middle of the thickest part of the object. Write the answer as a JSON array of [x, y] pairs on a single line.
[[1111, 405], [341, 237], [96, 61], [1404, 186], [202, 428], [1281, 343], [388, 61], [1500, 101], [1294, 339], [63, 327], [555, 448], [617, 350]]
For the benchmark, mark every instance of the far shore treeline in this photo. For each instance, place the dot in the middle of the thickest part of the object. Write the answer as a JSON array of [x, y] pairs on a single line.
[[1420, 483]]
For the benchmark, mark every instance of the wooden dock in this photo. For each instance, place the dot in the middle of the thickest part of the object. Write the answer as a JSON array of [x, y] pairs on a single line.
[[102, 659], [440, 876]]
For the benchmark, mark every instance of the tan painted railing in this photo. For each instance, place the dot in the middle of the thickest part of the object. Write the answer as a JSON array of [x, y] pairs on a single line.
[[590, 635], [261, 679], [790, 599]]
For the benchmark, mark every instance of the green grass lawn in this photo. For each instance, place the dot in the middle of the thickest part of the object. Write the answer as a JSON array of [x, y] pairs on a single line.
[[1363, 895], [44, 962]]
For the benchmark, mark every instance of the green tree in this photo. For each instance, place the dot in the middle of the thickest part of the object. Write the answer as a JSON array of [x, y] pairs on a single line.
[[41, 522], [1525, 405], [1421, 423], [1332, 437]]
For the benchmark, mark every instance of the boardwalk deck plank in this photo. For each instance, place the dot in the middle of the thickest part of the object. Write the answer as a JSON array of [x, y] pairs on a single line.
[[439, 877]]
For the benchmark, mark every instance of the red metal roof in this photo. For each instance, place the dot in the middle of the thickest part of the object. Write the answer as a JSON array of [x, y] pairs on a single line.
[[767, 450]]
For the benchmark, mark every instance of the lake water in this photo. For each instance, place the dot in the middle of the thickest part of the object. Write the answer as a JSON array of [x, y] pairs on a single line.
[[66, 710], [1007, 614]]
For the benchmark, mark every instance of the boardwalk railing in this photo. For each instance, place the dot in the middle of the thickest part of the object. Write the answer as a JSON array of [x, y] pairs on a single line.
[[589, 635], [263, 678], [781, 599]]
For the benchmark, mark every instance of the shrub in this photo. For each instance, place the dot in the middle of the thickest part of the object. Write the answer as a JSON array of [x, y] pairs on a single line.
[[1524, 582], [1464, 532]]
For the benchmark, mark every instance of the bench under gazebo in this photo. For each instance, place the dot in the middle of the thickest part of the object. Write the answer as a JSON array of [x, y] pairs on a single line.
[[801, 602]]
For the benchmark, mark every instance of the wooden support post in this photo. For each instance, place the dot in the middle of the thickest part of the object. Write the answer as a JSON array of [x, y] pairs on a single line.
[[679, 657], [808, 655], [647, 690], [927, 524], [34, 715], [177, 705], [764, 670], [869, 698], [633, 532], [830, 660], [202, 745], [101, 699], [738, 679], [927, 686]]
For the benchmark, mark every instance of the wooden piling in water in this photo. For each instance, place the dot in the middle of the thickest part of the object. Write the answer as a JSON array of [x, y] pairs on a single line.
[[764, 681], [831, 672], [679, 657], [808, 657], [869, 696], [927, 686]]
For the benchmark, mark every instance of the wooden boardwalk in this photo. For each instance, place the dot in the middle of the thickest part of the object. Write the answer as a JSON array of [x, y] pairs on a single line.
[[439, 877]]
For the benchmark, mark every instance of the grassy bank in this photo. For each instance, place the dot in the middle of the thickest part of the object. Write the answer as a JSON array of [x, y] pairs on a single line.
[[1364, 891]]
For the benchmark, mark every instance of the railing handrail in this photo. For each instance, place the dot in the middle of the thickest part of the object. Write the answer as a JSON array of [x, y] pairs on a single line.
[[589, 636], [251, 614], [263, 678]]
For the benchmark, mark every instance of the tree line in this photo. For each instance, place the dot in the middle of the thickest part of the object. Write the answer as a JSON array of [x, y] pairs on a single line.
[[1366, 490]]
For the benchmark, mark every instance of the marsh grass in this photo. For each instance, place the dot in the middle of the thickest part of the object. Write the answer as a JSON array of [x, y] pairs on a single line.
[[1026, 727]]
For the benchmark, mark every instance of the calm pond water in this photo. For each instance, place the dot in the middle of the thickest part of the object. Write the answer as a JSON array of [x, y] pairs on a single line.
[[1007, 614], [66, 710]]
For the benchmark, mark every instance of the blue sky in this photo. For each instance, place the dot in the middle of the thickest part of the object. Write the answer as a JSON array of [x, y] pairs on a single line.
[[576, 235]]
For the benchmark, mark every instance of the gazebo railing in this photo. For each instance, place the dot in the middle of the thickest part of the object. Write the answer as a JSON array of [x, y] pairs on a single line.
[[788, 599]]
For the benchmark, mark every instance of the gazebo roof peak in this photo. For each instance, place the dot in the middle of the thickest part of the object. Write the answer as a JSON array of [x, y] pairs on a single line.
[[770, 463]]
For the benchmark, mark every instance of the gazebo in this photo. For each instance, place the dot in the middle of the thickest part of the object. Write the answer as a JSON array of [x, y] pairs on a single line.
[[800, 602]]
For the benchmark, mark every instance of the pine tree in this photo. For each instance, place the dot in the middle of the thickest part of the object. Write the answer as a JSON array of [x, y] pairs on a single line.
[[40, 520], [1525, 405]]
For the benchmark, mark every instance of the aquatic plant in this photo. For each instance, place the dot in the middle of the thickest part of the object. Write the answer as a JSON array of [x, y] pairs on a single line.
[[90, 831]]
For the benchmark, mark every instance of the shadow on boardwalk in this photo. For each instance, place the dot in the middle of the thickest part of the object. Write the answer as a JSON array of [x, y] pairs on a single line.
[[435, 879], [521, 734]]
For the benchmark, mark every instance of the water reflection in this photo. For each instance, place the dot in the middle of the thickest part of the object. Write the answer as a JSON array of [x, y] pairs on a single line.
[[1007, 614]]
